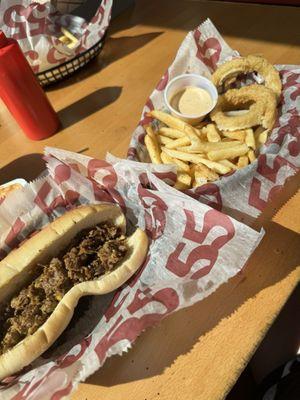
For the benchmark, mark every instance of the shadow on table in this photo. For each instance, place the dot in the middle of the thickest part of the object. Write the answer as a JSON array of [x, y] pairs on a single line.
[[193, 322], [88, 105], [113, 50], [27, 167], [186, 15]]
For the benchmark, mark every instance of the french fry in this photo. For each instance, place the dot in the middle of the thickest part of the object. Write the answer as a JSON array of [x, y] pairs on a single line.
[[217, 167], [261, 136], [178, 124], [184, 141], [213, 137], [205, 147], [242, 161], [166, 159], [192, 169], [235, 135], [212, 133], [153, 149], [194, 138], [181, 165], [71, 41], [199, 181], [164, 140], [228, 164], [64, 39], [201, 135], [251, 156], [250, 139], [180, 155], [198, 177], [69, 35], [220, 145], [72, 45], [150, 131], [201, 170], [231, 152], [171, 133], [168, 119], [201, 178], [196, 159], [183, 181]]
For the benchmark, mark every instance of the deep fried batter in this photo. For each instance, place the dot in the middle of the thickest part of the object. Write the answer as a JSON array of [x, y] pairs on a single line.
[[244, 65], [262, 109]]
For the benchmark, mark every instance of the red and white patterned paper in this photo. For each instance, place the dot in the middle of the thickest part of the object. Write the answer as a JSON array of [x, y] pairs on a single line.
[[247, 190], [36, 25], [193, 250]]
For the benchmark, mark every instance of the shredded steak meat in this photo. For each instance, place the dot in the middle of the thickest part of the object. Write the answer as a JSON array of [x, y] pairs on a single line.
[[91, 254]]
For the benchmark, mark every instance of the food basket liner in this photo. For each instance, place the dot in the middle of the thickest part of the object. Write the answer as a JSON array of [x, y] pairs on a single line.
[[249, 189], [193, 250]]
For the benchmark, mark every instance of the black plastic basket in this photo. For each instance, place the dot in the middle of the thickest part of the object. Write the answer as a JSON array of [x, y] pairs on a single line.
[[66, 69]]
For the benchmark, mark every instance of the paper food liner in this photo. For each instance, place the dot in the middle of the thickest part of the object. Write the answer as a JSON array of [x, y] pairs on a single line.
[[36, 25], [193, 250], [247, 190]]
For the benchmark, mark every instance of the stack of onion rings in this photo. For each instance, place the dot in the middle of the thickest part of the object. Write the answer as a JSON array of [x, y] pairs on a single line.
[[258, 102]]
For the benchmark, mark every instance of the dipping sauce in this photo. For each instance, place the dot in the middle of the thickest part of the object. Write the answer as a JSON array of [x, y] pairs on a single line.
[[192, 101]]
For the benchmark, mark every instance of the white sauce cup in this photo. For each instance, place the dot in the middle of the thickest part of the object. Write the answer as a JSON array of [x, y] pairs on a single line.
[[178, 84]]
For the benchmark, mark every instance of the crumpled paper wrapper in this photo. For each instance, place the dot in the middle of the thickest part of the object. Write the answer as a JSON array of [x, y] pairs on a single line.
[[193, 250], [36, 25], [250, 189]]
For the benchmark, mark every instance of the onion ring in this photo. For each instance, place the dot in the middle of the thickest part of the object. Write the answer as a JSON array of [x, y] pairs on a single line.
[[245, 65], [262, 111], [262, 95]]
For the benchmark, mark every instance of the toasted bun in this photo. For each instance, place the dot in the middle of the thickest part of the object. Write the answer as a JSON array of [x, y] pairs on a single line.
[[17, 266]]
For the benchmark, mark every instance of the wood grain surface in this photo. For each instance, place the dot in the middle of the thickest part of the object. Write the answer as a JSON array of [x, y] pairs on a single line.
[[197, 353]]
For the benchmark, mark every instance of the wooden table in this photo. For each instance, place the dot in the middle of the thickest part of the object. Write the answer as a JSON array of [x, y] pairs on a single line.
[[197, 353]]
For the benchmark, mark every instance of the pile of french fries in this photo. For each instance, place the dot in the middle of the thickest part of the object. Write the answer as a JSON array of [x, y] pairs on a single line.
[[201, 154]]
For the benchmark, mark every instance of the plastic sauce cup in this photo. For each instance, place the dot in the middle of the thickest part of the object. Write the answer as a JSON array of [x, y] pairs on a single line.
[[181, 82]]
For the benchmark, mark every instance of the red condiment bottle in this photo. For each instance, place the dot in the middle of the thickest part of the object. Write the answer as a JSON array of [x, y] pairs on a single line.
[[22, 94]]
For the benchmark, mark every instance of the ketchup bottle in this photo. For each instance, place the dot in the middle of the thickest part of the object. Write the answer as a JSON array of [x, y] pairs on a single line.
[[22, 94]]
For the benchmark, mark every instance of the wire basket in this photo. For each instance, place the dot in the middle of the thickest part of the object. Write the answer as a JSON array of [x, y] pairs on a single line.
[[66, 69]]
